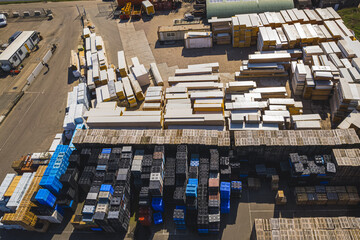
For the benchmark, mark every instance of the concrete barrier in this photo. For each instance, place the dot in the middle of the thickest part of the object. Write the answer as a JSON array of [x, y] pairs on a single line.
[[47, 57], [39, 67]]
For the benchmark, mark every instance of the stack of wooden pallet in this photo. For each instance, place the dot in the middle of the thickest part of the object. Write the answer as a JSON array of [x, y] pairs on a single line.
[[153, 99], [111, 137], [307, 228], [347, 162], [221, 29]]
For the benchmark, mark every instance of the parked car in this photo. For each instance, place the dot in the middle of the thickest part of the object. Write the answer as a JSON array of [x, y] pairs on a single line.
[[14, 36], [3, 21]]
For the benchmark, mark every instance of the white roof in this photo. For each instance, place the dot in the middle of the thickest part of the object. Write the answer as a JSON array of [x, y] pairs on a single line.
[[15, 45]]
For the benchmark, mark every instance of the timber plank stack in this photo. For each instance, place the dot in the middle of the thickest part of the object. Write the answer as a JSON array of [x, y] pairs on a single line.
[[307, 228]]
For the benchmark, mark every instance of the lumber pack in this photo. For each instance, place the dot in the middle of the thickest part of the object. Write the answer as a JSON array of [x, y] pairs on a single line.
[[351, 121], [153, 98]]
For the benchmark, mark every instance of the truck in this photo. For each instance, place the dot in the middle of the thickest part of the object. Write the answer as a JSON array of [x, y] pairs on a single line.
[[16, 52]]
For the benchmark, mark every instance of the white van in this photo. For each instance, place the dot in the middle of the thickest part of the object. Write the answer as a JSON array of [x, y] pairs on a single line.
[[3, 21]]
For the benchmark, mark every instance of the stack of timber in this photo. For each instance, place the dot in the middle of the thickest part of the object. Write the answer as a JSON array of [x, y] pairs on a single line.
[[221, 30], [265, 65], [153, 99], [136, 87], [351, 121], [288, 28], [342, 227], [277, 145], [239, 86], [104, 109], [298, 72], [214, 66], [128, 119], [306, 121], [346, 95], [110, 137]]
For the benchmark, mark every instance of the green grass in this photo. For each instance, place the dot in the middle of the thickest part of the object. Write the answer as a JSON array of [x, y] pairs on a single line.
[[351, 17]]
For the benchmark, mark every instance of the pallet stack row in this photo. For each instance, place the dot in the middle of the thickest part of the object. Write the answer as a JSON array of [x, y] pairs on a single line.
[[307, 228], [327, 195]]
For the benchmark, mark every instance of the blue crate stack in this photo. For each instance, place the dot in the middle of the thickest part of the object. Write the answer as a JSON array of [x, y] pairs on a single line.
[[158, 204], [225, 197], [157, 218], [45, 197]]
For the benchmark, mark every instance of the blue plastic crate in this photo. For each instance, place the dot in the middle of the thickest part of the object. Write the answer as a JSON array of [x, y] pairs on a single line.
[[106, 151], [107, 188], [45, 197], [203, 230], [52, 184], [195, 157], [193, 181], [157, 204], [225, 206], [191, 190], [324, 183], [157, 218], [225, 190], [194, 163]]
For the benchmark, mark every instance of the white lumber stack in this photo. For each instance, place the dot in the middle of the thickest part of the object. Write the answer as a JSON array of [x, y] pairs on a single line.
[[136, 87], [156, 74], [193, 71], [214, 66], [122, 66], [197, 78]]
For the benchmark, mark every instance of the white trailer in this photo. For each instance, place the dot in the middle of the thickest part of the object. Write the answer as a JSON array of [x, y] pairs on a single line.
[[15, 53]]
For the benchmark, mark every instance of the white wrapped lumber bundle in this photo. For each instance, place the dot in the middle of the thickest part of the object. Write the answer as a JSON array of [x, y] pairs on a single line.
[[154, 95], [141, 113], [269, 58], [214, 66], [197, 78], [86, 32], [304, 118], [99, 42], [194, 119], [156, 75], [193, 71], [137, 88], [200, 85], [294, 53], [309, 83], [210, 107], [206, 94], [119, 88], [250, 105], [90, 80], [240, 86], [151, 106], [129, 92], [260, 70], [271, 92], [141, 74], [298, 79], [307, 125], [142, 122], [92, 43], [122, 66], [252, 126]]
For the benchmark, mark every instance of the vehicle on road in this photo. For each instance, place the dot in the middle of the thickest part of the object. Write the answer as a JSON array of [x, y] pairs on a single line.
[[3, 21]]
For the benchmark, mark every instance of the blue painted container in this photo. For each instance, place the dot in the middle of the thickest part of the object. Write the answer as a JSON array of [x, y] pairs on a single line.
[[45, 197]]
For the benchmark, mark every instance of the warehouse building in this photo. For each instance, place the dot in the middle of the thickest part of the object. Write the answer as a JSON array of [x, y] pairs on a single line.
[[229, 8]]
